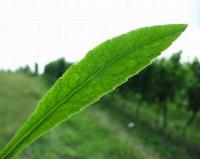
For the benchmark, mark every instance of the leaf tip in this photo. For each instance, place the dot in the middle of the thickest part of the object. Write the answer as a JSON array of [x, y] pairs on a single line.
[[182, 27]]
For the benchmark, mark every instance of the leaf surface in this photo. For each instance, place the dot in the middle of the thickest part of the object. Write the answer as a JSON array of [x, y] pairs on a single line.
[[104, 68]]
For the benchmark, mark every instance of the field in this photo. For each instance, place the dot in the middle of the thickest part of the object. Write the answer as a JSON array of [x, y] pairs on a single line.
[[98, 132], [150, 113]]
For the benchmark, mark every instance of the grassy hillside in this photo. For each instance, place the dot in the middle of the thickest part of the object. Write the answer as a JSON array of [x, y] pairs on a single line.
[[18, 96], [95, 133], [177, 115]]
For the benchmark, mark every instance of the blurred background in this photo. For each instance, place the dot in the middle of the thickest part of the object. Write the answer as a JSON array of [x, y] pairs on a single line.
[[155, 115]]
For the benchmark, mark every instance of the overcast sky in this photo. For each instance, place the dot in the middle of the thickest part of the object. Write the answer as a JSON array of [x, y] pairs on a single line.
[[44, 30]]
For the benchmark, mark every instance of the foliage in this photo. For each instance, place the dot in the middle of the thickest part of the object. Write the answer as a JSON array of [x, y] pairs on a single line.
[[94, 76], [79, 137], [193, 91], [26, 70], [148, 117], [55, 69], [172, 82], [160, 83]]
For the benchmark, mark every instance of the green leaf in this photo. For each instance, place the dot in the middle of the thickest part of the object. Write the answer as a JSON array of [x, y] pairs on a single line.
[[103, 69]]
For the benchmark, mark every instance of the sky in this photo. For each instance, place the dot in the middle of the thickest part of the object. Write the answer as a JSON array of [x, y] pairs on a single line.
[[44, 30]]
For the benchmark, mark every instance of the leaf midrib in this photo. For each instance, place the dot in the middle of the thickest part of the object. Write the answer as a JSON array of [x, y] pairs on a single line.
[[81, 85]]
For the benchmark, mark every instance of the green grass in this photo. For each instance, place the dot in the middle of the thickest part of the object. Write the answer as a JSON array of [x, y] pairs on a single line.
[[95, 133], [171, 142], [177, 117], [18, 96], [88, 135]]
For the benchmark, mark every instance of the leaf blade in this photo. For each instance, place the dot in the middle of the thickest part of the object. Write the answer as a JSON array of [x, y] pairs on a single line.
[[79, 86]]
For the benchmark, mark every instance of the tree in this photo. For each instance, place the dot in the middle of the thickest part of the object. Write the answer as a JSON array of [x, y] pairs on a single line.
[[36, 69], [193, 92], [26, 70], [55, 69], [168, 81]]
